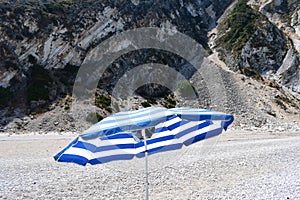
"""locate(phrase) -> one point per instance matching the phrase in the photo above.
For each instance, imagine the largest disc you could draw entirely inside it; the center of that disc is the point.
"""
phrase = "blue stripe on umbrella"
(194, 128)
(160, 139)
(202, 136)
(111, 158)
(73, 158)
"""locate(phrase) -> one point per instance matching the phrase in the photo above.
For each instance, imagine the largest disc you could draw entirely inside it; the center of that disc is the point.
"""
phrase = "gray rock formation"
(43, 44)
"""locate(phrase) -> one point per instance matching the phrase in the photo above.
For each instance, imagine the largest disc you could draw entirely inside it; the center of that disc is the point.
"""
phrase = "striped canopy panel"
(117, 136)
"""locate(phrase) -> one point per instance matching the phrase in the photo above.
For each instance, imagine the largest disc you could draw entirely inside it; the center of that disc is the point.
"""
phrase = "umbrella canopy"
(117, 137)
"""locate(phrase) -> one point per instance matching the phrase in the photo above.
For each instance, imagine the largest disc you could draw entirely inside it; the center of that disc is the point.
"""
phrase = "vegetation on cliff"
(238, 28)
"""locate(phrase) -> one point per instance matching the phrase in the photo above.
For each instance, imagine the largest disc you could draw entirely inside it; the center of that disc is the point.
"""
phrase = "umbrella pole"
(146, 163)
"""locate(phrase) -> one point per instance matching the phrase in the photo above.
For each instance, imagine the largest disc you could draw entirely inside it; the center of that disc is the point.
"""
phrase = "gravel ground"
(235, 165)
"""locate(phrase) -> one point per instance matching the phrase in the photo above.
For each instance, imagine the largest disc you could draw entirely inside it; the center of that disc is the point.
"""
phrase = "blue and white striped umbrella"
(117, 136)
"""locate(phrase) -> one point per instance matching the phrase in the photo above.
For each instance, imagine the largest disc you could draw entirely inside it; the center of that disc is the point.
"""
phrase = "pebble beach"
(234, 165)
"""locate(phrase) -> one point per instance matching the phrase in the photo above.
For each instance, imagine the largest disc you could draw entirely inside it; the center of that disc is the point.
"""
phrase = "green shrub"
(104, 102)
(72, 1)
(169, 102)
(99, 117)
(67, 74)
(40, 74)
(54, 7)
(9, 64)
(38, 85)
(151, 101)
(280, 103)
(5, 96)
(146, 104)
(252, 73)
(93, 117)
(46, 19)
(186, 89)
(37, 92)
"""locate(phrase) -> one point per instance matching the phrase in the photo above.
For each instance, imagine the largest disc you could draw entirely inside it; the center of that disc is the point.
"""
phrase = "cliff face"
(57, 36)
(262, 37)
(54, 37)
(285, 15)
(54, 34)
(44, 43)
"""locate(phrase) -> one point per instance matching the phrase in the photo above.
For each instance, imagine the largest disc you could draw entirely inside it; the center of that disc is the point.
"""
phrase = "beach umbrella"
(139, 133)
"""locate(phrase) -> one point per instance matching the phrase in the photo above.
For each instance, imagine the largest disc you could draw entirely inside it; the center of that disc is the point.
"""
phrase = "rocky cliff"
(262, 38)
(45, 43)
